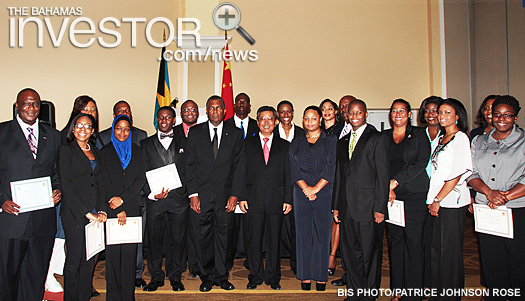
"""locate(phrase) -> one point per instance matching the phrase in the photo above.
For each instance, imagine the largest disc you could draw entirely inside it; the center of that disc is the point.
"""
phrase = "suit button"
(123, 173)
(495, 153)
(92, 185)
(493, 165)
(91, 174)
(493, 179)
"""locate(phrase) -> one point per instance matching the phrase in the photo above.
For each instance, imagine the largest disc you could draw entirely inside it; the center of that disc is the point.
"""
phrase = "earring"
(456, 122)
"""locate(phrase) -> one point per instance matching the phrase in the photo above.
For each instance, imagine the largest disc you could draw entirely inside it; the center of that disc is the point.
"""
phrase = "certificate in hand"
(493, 221)
(32, 194)
(130, 233)
(396, 213)
(166, 177)
(94, 239)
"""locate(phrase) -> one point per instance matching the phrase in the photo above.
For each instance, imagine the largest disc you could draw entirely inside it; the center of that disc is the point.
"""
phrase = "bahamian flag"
(163, 87)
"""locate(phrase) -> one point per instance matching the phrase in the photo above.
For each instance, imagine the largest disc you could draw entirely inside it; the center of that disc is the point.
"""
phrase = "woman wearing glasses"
(448, 197)
(498, 161)
(78, 169)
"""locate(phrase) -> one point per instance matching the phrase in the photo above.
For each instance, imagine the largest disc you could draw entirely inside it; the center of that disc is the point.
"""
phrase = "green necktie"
(352, 145)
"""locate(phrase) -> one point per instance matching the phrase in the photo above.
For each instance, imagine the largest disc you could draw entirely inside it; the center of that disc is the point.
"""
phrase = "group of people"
(323, 187)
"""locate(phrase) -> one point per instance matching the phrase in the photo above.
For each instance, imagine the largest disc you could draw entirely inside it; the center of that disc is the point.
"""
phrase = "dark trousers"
(259, 226)
(191, 253)
(120, 272)
(234, 233)
(503, 258)
(24, 263)
(173, 216)
(288, 241)
(446, 266)
(210, 231)
(140, 250)
(427, 246)
(77, 271)
(406, 252)
(362, 250)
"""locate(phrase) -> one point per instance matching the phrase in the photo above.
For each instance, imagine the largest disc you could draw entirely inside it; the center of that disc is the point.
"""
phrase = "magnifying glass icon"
(227, 16)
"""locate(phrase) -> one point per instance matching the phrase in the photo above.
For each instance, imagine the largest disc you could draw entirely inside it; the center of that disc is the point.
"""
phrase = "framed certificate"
(396, 213)
(130, 233)
(493, 221)
(166, 177)
(32, 194)
(94, 239)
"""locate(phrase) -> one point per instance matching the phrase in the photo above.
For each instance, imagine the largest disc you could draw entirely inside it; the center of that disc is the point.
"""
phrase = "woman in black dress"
(78, 169)
(124, 175)
(312, 169)
(409, 156)
(330, 117)
(484, 117)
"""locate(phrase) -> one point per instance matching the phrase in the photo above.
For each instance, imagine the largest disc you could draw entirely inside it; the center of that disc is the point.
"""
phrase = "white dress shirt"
(24, 127)
(283, 134)
(219, 132)
(166, 142)
(270, 139)
(245, 122)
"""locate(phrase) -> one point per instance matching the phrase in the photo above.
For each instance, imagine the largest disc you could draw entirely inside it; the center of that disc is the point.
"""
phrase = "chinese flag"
(227, 86)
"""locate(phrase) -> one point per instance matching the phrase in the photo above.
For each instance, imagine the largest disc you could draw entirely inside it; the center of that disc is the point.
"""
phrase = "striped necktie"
(31, 139)
(352, 145)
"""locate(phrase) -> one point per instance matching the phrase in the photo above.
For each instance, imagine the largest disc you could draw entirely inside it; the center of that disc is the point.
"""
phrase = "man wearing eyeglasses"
(189, 112)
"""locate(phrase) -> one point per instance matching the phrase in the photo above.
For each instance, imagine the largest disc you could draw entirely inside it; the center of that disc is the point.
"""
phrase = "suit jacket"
(137, 135)
(215, 180)
(80, 188)
(361, 184)
(17, 163)
(268, 186)
(156, 156)
(296, 133)
(179, 131)
(413, 176)
(125, 183)
(253, 128)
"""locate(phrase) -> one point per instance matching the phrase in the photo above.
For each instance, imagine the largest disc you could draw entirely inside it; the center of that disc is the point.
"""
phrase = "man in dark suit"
(360, 196)
(268, 199)
(28, 150)
(166, 208)
(190, 114)
(122, 107)
(287, 130)
(249, 128)
(215, 174)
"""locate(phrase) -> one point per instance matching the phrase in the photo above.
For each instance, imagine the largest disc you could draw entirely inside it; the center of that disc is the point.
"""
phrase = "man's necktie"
(352, 145)
(31, 139)
(345, 131)
(215, 143)
(266, 150)
(242, 129)
(162, 135)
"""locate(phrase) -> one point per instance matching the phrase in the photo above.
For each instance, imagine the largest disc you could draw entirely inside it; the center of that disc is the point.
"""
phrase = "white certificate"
(493, 221)
(166, 177)
(94, 239)
(130, 233)
(33, 194)
(396, 213)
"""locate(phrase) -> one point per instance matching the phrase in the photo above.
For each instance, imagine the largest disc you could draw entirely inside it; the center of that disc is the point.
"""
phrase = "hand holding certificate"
(94, 239)
(163, 178)
(129, 233)
(32, 194)
(494, 221)
(396, 213)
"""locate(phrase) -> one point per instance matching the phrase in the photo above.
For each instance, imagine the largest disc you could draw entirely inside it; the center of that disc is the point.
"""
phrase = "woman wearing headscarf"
(124, 175)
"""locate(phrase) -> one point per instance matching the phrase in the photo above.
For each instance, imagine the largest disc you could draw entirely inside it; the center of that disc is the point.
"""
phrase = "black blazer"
(179, 131)
(215, 180)
(296, 133)
(361, 184)
(17, 163)
(417, 153)
(80, 189)
(156, 156)
(253, 128)
(126, 184)
(137, 135)
(267, 186)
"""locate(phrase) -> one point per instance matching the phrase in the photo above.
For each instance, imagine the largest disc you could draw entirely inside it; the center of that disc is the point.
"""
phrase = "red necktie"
(266, 150)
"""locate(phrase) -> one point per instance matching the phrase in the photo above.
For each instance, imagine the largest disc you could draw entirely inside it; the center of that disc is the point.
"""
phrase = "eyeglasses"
(506, 116)
(189, 110)
(86, 126)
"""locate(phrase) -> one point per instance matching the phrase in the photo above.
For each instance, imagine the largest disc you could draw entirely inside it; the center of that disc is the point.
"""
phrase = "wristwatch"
(436, 200)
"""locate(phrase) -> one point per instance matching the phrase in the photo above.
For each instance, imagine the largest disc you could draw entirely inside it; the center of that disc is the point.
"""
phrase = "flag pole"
(164, 35)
